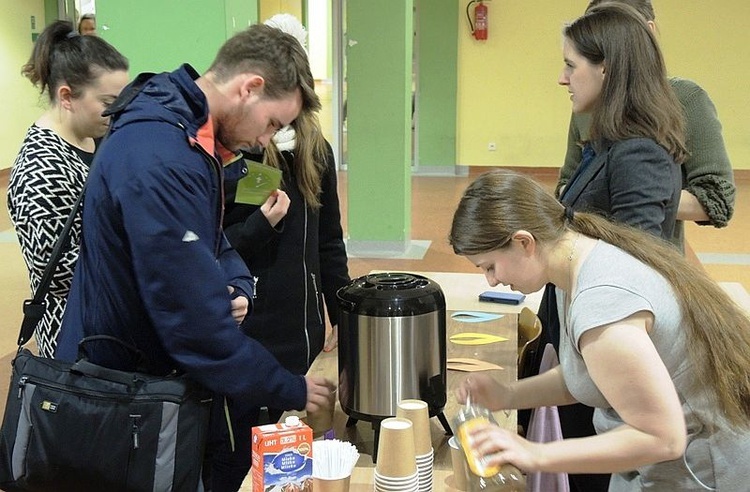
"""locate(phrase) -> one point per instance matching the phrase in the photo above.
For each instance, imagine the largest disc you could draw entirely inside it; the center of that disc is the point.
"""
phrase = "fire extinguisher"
(479, 26)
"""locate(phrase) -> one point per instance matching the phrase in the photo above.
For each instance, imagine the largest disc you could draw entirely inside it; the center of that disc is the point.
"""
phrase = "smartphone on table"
(501, 297)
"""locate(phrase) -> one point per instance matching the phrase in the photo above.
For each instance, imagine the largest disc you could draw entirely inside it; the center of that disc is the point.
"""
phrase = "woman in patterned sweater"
(81, 75)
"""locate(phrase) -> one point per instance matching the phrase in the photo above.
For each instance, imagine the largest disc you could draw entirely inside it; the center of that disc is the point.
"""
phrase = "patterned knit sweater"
(46, 179)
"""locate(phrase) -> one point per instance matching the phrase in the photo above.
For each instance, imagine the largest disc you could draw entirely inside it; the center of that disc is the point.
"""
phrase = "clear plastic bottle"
(484, 477)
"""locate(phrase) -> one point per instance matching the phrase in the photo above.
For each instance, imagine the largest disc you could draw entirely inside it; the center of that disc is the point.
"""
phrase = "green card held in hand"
(260, 182)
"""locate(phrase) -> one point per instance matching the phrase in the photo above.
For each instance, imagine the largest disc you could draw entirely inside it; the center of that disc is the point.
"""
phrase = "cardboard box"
(282, 457)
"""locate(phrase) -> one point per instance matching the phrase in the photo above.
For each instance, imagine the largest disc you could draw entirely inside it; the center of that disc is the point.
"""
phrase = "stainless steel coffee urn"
(392, 346)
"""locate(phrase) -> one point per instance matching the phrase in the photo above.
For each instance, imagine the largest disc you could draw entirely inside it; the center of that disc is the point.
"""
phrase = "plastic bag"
(484, 477)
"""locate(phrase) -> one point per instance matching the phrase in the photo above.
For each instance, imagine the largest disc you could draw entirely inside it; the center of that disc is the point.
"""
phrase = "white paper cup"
(403, 484)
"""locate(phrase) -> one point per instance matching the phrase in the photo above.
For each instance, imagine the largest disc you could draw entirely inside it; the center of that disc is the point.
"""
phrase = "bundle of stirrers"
(333, 458)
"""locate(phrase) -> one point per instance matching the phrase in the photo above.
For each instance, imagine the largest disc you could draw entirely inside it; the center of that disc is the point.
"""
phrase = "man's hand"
(240, 304)
(320, 394)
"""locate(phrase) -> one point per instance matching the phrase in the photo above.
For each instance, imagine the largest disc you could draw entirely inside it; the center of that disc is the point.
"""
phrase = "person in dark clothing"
(155, 268)
(293, 246)
(298, 263)
(298, 260)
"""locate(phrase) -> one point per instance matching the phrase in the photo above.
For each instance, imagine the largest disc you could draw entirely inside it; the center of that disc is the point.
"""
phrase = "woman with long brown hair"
(629, 168)
(708, 193)
(650, 341)
(615, 72)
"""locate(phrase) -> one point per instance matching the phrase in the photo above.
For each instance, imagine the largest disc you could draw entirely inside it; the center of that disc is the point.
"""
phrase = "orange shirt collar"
(206, 138)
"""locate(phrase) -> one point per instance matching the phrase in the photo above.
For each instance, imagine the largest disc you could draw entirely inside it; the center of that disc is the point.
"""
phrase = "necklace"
(573, 249)
(565, 295)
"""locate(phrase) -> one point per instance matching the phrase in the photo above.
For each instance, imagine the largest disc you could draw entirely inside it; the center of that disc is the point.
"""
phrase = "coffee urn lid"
(391, 294)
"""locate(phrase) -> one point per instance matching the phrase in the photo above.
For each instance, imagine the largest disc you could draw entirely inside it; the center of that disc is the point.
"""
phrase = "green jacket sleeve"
(707, 171)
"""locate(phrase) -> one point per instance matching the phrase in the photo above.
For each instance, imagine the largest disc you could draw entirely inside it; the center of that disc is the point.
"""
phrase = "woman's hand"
(275, 207)
(484, 390)
(332, 341)
(498, 447)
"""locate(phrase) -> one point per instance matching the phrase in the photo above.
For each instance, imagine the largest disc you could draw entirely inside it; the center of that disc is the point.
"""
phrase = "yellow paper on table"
(476, 339)
(257, 186)
(469, 365)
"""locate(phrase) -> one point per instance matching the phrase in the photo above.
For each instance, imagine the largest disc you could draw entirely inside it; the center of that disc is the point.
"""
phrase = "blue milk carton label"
(286, 468)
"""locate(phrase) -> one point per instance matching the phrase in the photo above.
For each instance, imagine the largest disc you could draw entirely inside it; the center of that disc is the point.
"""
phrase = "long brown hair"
(643, 7)
(310, 152)
(499, 203)
(637, 99)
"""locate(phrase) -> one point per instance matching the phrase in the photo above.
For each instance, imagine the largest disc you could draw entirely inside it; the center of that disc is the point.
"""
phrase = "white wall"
(319, 37)
(86, 7)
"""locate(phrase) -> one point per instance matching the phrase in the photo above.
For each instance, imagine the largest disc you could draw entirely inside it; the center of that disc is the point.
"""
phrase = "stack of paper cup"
(396, 468)
(418, 413)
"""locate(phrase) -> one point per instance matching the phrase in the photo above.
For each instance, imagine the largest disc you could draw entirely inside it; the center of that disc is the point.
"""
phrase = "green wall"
(436, 98)
(379, 84)
(50, 11)
(160, 35)
(239, 15)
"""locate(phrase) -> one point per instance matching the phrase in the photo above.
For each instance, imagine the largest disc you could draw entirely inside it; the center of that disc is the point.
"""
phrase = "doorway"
(324, 21)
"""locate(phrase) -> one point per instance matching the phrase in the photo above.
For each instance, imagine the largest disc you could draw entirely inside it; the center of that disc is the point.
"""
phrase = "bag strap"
(87, 368)
(140, 357)
(33, 309)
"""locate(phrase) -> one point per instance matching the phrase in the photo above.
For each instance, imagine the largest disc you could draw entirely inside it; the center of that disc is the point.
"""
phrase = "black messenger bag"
(83, 427)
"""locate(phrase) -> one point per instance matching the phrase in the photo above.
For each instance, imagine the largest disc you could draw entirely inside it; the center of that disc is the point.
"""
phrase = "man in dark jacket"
(155, 269)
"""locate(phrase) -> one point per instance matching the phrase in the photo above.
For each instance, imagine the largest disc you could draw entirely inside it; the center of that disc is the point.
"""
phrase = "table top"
(502, 353)
(461, 291)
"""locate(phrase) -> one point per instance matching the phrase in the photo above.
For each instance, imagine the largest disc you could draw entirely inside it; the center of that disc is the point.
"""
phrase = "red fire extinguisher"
(479, 26)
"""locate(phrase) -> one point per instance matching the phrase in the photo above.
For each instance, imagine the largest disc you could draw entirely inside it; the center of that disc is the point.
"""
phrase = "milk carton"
(282, 457)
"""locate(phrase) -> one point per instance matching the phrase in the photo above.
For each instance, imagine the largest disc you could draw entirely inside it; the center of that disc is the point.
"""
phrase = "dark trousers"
(227, 467)
(575, 420)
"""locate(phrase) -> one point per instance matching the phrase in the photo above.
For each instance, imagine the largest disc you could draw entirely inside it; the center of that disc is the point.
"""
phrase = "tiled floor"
(723, 252)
